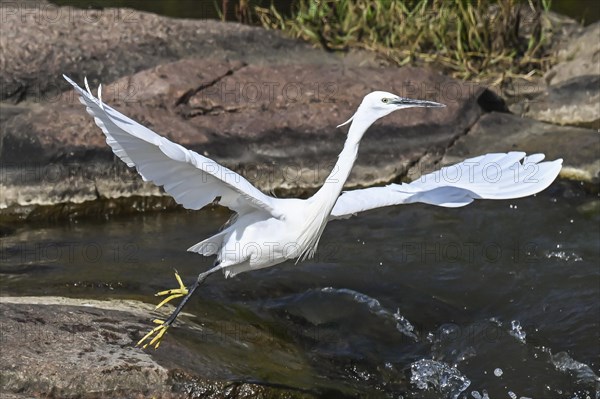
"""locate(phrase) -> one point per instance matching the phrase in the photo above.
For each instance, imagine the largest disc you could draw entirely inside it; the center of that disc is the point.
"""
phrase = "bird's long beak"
(417, 103)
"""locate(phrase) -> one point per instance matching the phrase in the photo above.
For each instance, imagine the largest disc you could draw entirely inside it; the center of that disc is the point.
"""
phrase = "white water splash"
(430, 374)
(564, 256)
(517, 331)
(402, 324)
(482, 395)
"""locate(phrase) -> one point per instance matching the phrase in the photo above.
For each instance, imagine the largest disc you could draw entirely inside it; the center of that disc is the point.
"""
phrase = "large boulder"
(264, 105)
(73, 348)
(274, 124)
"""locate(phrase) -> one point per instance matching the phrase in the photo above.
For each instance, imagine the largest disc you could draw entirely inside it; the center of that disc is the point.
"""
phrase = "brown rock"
(41, 41)
(274, 124)
(70, 348)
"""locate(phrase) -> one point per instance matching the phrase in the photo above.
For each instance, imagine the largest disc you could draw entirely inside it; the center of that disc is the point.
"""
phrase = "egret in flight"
(266, 231)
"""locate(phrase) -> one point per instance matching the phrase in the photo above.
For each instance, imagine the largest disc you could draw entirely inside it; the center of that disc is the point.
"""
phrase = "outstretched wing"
(491, 176)
(190, 178)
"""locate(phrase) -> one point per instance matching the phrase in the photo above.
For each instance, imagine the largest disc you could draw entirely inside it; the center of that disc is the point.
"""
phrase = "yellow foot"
(174, 293)
(159, 331)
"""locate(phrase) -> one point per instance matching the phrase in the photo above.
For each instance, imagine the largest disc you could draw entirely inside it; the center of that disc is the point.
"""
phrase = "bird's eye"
(385, 100)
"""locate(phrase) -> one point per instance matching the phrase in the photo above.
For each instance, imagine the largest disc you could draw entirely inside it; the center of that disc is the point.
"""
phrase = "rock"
(570, 94)
(72, 350)
(202, 94)
(261, 104)
(42, 41)
(500, 132)
(7, 111)
(574, 102)
(274, 124)
(579, 56)
(69, 348)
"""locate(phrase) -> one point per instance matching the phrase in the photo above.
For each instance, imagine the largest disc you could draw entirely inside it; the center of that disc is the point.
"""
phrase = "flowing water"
(498, 299)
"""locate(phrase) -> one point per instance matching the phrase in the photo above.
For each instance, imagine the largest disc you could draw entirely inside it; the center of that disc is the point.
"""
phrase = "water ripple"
(402, 324)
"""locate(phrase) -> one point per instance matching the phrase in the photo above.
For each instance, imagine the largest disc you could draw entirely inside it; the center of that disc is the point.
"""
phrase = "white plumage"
(267, 230)
(491, 176)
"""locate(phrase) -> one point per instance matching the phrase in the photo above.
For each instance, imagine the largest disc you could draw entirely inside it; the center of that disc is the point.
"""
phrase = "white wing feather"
(190, 178)
(491, 176)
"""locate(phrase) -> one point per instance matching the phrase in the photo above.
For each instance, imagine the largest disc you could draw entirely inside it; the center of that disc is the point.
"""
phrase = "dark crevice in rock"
(490, 101)
(185, 98)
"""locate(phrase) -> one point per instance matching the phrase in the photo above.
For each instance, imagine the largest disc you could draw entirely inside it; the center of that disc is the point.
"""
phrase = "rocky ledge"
(261, 104)
(86, 350)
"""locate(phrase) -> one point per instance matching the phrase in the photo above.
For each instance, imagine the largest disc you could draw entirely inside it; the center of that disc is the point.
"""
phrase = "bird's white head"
(378, 104)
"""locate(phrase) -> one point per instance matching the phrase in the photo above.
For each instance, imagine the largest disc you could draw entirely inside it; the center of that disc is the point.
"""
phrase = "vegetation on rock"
(468, 39)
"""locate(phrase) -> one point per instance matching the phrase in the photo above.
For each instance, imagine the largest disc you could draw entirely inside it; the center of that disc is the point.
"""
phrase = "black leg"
(159, 331)
(186, 298)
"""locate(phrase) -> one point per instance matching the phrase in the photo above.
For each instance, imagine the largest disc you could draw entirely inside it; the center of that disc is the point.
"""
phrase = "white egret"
(266, 231)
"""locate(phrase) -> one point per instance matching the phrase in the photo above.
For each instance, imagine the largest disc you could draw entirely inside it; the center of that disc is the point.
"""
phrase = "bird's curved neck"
(324, 200)
(334, 183)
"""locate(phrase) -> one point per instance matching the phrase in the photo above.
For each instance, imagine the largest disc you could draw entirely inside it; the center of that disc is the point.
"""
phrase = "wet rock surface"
(354, 322)
(62, 347)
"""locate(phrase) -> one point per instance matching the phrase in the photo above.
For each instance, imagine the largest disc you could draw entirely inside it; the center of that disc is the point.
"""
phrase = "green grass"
(468, 39)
